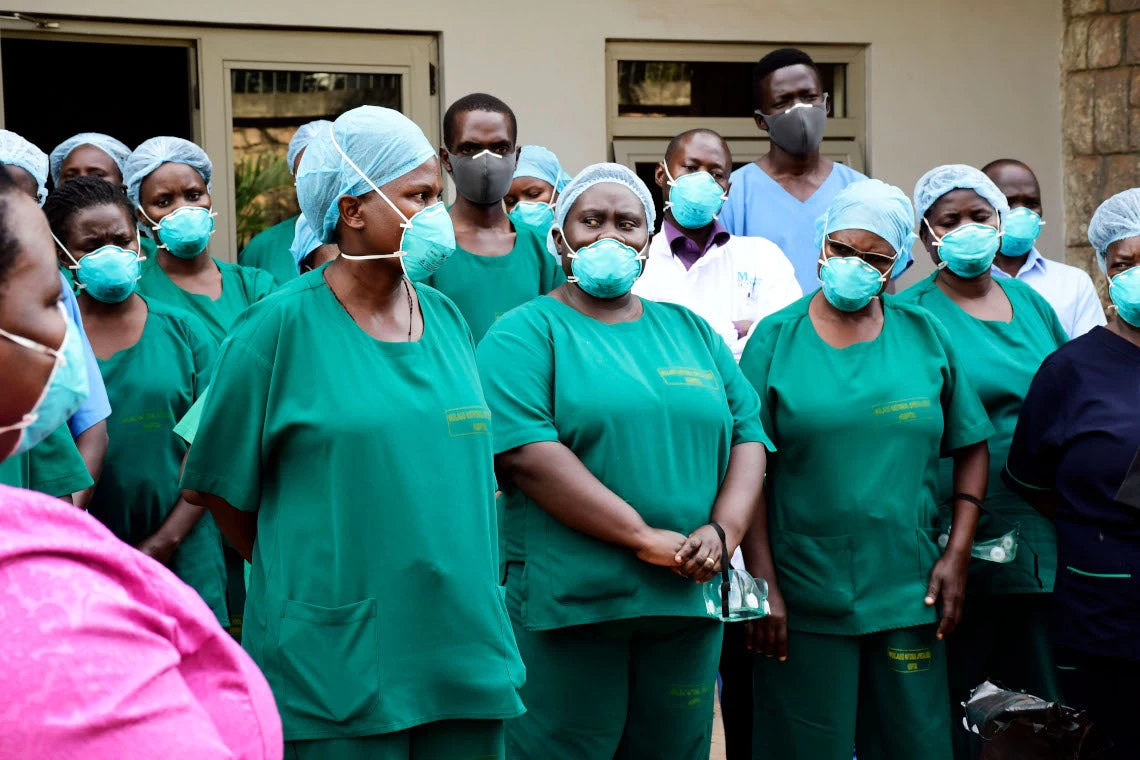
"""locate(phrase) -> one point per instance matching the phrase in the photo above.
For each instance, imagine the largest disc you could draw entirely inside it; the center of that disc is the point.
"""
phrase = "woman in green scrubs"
(1003, 331)
(168, 181)
(155, 362)
(626, 440)
(270, 249)
(863, 395)
(538, 180)
(373, 609)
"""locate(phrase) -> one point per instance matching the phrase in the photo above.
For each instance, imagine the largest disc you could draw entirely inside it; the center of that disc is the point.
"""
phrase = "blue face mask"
(185, 231)
(65, 391)
(108, 273)
(695, 199)
(534, 214)
(606, 268)
(1124, 290)
(1019, 232)
(849, 283)
(969, 250)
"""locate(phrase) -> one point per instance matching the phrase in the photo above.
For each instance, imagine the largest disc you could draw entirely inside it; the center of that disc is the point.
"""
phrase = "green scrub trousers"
(883, 693)
(626, 689)
(444, 740)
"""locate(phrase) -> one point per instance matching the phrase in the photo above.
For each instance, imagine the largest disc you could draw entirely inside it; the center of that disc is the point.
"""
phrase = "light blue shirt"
(1069, 290)
(97, 407)
(759, 206)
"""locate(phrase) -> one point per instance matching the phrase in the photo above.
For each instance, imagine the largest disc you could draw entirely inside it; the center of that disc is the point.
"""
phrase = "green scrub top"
(269, 251)
(53, 467)
(487, 287)
(1001, 359)
(853, 489)
(374, 604)
(151, 385)
(148, 247)
(241, 286)
(187, 427)
(652, 408)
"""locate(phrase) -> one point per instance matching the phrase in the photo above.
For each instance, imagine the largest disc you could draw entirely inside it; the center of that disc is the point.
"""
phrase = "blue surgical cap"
(163, 150)
(17, 151)
(540, 163)
(873, 206)
(941, 180)
(304, 240)
(1117, 218)
(301, 139)
(382, 143)
(109, 145)
(595, 175)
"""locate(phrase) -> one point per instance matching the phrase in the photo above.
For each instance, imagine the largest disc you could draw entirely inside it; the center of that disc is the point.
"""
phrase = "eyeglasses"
(879, 261)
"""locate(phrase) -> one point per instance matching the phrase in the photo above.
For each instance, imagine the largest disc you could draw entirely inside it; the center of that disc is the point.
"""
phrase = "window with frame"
(655, 90)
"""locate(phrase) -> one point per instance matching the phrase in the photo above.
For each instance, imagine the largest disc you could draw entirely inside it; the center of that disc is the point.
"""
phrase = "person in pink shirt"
(106, 653)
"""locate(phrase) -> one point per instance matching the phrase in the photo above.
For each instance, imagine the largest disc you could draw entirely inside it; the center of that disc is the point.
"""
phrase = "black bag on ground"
(1019, 726)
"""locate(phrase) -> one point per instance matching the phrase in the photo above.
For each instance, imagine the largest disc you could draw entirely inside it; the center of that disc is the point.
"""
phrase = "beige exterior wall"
(948, 80)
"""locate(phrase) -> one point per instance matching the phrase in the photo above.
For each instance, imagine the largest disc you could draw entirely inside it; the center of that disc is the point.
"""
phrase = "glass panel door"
(268, 107)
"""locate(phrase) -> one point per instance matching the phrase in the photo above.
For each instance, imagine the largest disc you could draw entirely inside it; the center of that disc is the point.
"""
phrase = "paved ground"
(718, 736)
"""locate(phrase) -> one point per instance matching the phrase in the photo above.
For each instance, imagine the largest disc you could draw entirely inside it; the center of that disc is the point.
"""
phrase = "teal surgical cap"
(304, 240)
(873, 206)
(163, 150)
(302, 137)
(109, 145)
(382, 143)
(1117, 218)
(17, 151)
(941, 180)
(540, 163)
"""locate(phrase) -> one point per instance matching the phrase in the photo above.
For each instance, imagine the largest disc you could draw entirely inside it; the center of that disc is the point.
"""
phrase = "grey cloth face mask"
(484, 178)
(799, 130)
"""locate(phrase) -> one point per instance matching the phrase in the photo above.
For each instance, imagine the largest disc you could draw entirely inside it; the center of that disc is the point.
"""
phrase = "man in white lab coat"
(731, 281)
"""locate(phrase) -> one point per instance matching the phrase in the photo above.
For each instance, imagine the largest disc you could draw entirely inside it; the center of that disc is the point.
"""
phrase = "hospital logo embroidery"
(686, 376)
(909, 660)
(746, 281)
(902, 411)
(468, 420)
(689, 697)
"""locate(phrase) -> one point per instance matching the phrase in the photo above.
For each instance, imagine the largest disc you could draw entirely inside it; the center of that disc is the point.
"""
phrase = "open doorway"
(54, 88)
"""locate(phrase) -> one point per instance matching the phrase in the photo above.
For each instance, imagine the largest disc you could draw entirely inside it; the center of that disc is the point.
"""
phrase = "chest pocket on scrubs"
(330, 660)
(815, 574)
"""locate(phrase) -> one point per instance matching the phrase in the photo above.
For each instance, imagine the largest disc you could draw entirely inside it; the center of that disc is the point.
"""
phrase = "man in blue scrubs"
(780, 196)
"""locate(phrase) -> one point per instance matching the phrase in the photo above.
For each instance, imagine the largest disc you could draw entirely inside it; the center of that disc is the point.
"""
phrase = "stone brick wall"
(1100, 118)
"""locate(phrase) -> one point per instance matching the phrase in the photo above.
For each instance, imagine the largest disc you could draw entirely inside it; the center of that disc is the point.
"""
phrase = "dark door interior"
(56, 88)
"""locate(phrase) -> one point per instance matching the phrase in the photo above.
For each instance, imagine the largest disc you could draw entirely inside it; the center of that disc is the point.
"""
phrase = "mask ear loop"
(406, 224)
(63, 248)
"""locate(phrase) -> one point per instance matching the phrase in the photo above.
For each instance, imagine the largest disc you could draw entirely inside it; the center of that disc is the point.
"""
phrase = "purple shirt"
(685, 248)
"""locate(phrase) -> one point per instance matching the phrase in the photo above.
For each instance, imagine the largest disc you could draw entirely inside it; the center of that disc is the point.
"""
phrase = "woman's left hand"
(948, 580)
(701, 555)
(158, 548)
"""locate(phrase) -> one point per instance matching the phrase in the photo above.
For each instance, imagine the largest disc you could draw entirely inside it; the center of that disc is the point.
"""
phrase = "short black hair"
(776, 60)
(9, 241)
(675, 143)
(998, 163)
(476, 101)
(80, 194)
